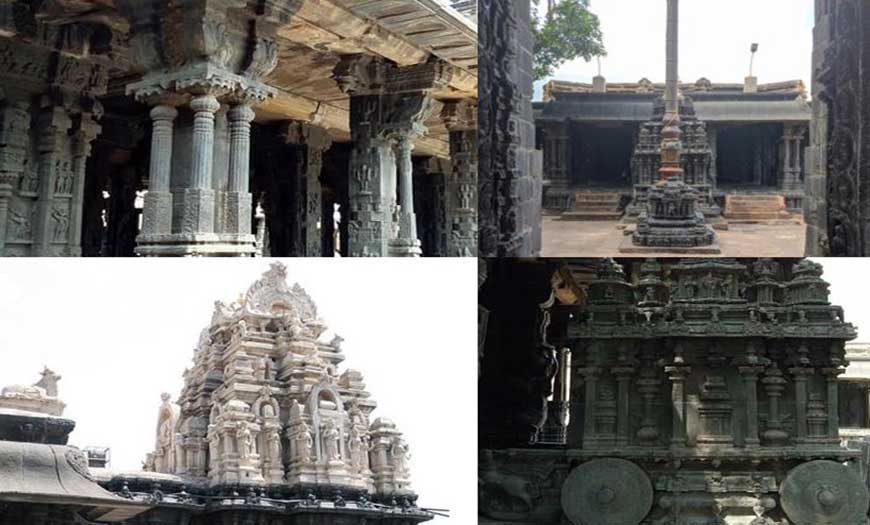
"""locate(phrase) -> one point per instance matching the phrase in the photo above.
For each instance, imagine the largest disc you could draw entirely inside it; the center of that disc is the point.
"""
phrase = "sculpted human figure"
(356, 448)
(304, 443)
(399, 453)
(330, 441)
(245, 440)
(213, 448)
(274, 446)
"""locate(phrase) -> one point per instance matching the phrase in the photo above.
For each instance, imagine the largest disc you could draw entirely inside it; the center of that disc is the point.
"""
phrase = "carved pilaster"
(590, 380)
(801, 376)
(461, 188)
(833, 401)
(623, 376)
(750, 385)
(406, 243)
(81, 148)
(313, 141)
(197, 213)
(385, 106)
(157, 212)
(238, 212)
(52, 219)
(14, 138)
(677, 374)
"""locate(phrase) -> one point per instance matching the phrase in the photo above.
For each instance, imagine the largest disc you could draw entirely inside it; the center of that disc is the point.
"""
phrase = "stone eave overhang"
(709, 107)
(197, 496)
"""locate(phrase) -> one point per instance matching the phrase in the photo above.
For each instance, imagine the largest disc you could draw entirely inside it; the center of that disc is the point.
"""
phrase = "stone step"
(755, 198)
(586, 197)
(602, 206)
(583, 215)
(758, 216)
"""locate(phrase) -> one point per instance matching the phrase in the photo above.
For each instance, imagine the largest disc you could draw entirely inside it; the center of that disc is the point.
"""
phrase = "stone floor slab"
(604, 238)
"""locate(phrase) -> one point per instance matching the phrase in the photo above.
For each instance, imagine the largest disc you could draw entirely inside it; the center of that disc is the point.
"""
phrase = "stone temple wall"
(839, 154)
(510, 174)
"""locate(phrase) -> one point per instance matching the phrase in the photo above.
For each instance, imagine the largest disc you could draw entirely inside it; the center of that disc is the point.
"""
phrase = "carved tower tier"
(264, 405)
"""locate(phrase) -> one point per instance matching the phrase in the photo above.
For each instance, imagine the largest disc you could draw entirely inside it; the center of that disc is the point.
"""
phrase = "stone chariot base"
(628, 246)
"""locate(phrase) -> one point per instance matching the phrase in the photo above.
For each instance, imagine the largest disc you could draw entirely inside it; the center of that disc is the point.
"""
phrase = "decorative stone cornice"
(176, 88)
(366, 75)
(238, 37)
(460, 115)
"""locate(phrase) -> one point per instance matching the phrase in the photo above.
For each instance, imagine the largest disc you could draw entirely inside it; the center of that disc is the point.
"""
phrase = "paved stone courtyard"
(602, 239)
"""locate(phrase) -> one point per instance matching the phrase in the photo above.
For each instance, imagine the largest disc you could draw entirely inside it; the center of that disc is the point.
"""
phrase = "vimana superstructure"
(666, 391)
(266, 428)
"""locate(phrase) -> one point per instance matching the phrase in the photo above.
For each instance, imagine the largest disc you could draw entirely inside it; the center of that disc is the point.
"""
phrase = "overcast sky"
(849, 290)
(714, 41)
(120, 332)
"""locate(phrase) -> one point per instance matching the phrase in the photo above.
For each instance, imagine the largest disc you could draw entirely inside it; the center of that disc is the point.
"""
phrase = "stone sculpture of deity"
(355, 445)
(330, 441)
(304, 443)
(274, 441)
(399, 453)
(245, 440)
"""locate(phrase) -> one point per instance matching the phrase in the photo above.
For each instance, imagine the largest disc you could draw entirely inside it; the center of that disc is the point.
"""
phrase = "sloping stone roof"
(57, 475)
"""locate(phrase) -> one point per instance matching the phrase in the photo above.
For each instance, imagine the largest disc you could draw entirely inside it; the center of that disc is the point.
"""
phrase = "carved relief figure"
(355, 445)
(60, 222)
(330, 441)
(19, 226)
(399, 453)
(274, 442)
(245, 440)
(304, 443)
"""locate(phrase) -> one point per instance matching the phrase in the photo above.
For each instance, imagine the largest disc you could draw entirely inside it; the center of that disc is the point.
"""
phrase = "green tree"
(569, 30)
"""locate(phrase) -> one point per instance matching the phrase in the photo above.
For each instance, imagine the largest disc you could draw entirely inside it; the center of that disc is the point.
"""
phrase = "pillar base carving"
(405, 248)
(238, 214)
(195, 207)
(157, 213)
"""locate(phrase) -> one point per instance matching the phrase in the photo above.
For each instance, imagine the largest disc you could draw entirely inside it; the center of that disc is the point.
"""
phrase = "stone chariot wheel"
(824, 493)
(607, 492)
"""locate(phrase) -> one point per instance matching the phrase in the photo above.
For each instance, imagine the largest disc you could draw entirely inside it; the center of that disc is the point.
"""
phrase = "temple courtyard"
(565, 238)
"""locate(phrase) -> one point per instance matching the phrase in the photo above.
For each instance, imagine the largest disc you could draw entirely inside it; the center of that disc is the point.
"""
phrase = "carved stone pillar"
(750, 385)
(14, 139)
(406, 243)
(212, 63)
(313, 142)
(557, 155)
(238, 213)
(384, 106)
(81, 148)
(461, 185)
(52, 218)
(833, 402)
(157, 211)
(791, 174)
(197, 210)
(801, 376)
(623, 376)
(590, 380)
(677, 374)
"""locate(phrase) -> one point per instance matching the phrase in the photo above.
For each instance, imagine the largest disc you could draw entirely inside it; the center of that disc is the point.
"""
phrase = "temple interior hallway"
(603, 238)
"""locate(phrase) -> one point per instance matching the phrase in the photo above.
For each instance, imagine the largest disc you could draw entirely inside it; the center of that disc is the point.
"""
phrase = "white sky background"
(121, 332)
(714, 41)
(849, 286)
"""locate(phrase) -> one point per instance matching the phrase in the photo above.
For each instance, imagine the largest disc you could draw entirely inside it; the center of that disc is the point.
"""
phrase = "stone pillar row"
(792, 167)
(196, 216)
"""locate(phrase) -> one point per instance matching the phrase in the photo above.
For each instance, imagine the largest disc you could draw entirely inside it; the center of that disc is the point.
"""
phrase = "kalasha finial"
(165, 397)
(277, 270)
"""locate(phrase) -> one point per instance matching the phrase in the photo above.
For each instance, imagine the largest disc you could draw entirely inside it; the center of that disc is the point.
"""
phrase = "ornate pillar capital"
(460, 115)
